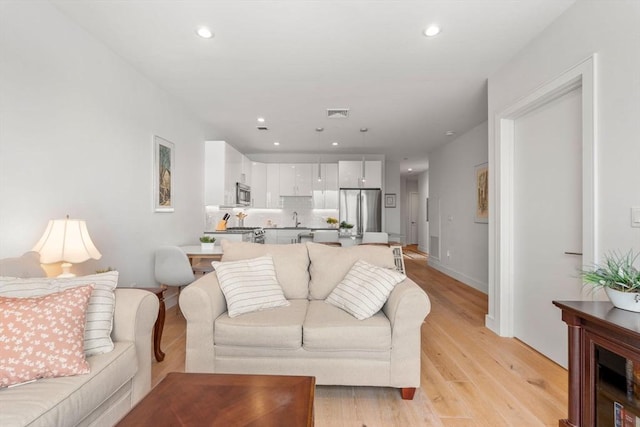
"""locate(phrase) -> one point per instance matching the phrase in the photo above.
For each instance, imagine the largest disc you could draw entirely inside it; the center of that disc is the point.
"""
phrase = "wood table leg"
(159, 326)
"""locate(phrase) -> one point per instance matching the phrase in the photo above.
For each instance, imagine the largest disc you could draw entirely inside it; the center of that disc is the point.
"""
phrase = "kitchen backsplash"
(307, 217)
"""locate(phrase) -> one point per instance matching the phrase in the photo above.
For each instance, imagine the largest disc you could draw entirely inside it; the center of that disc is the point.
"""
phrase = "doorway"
(503, 223)
(414, 210)
(547, 228)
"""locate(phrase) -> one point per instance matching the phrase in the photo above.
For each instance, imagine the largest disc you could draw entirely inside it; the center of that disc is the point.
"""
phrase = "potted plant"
(332, 221)
(207, 242)
(619, 278)
(344, 225)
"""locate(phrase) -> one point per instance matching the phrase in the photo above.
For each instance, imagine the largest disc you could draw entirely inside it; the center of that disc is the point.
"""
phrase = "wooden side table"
(159, 325)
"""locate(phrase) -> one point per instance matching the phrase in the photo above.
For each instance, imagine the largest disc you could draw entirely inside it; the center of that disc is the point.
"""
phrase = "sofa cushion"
(330, 264)
(97, 334)
(365, 289)
(291, 262)
(328, 328)
(277, 328)
(249, 285)
(68, 400)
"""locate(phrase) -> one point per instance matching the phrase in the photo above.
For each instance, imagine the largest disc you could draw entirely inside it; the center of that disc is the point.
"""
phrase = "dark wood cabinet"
(604, 364)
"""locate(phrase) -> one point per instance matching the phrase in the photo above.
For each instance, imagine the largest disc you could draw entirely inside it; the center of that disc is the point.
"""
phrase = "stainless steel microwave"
(243, 194)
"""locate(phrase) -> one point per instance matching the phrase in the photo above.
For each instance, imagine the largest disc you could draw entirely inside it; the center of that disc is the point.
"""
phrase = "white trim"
(461, 277)
(501, 161)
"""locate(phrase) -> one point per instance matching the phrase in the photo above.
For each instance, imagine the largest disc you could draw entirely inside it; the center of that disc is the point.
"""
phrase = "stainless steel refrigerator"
(362, 208)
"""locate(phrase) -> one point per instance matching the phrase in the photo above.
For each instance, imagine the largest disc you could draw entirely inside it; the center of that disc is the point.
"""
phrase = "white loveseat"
(117, 381)
(310, 336)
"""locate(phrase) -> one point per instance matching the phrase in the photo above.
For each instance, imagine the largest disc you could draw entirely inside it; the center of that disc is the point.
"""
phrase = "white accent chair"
(375, 238)
(327, 237)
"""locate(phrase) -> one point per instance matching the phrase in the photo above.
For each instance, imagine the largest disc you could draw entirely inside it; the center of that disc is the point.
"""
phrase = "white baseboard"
(461, 277)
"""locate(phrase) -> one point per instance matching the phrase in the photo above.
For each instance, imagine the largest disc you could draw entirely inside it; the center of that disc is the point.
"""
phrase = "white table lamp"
(66, 240)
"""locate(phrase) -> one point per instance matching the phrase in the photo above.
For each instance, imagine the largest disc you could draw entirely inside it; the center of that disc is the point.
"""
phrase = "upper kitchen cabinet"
(224, 166)
(352, 175)
(258, 185)
(325, 190)
(295, 179)
(273, 186)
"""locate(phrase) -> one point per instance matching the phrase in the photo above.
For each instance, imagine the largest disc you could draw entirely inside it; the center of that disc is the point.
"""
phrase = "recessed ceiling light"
(276, 143)
(449, 133)
(261, 119)
(204, 32)
(364, 129)
(319, 129)
(334, 143)
(410, 170)
(432, 30)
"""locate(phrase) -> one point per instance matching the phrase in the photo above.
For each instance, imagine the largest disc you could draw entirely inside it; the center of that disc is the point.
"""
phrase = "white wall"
(392, 216)
(611, 30)
(423, 225)
(452, 189)
(76, 129)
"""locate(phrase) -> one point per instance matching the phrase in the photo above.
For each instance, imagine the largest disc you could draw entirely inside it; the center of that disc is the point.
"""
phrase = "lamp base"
(66, 270)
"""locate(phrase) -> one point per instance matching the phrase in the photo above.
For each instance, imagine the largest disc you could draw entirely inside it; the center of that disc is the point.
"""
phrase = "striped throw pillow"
(99, 323)
(249, 285)
(364, 289)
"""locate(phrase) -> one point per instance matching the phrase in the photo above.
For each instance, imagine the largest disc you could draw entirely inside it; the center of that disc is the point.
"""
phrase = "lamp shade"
(66, 240)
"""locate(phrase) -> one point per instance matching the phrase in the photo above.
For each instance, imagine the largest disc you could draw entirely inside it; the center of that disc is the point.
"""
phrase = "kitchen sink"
(294, 228)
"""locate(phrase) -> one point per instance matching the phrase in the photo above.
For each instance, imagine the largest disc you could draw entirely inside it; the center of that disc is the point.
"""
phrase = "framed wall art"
(482, 193)
(163, 169)
(390, 200)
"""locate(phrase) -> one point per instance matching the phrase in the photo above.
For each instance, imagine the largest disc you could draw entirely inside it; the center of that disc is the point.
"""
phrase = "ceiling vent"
(262, 128)
(337, 113)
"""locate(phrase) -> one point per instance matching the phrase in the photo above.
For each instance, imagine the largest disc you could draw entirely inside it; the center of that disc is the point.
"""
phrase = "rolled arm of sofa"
(201, 303)
(135, 314)
(406, 309)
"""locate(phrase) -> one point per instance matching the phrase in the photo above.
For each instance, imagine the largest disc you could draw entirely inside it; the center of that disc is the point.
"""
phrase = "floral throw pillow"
(42, 337)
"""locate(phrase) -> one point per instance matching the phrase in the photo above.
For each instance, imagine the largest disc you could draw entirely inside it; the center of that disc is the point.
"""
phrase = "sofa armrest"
(135, 314)
(201, 303)
(406, 309)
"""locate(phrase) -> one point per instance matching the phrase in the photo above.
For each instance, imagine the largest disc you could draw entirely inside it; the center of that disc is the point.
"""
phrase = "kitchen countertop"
(228, 231)
(299, 228)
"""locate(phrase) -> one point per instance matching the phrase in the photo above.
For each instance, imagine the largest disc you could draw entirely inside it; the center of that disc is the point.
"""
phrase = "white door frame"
(500, 318)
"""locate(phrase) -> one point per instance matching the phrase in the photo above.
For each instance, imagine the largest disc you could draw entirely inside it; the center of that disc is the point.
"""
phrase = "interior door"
(413, 218)
(547, 221)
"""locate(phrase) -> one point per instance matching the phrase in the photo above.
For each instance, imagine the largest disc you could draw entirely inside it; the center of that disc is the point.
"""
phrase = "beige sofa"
(117, 381)
(308, 337)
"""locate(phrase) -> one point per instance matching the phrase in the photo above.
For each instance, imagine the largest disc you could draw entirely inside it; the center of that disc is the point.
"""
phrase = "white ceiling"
(290, 60)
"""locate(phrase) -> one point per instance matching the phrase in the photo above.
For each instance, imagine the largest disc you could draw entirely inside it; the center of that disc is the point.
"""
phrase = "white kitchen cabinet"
(289, 236)
(270, 236)
(222, 169)
(246, 171)
(350, 174)
(273, 186)
(325, 191)
(258, 185)
(373, 174)
(295, 179)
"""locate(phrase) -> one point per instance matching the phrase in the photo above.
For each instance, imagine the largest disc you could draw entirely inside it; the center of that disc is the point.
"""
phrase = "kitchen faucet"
(295, 219)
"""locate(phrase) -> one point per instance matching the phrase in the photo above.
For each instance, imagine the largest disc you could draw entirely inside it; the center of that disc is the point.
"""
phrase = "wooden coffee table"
(185, 399)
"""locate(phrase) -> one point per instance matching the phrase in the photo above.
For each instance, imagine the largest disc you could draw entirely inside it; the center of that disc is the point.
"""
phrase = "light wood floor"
(470, 376)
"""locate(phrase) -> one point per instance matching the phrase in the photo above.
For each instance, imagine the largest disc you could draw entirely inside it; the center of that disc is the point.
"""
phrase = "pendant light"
(363, 180)
(318, 130)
